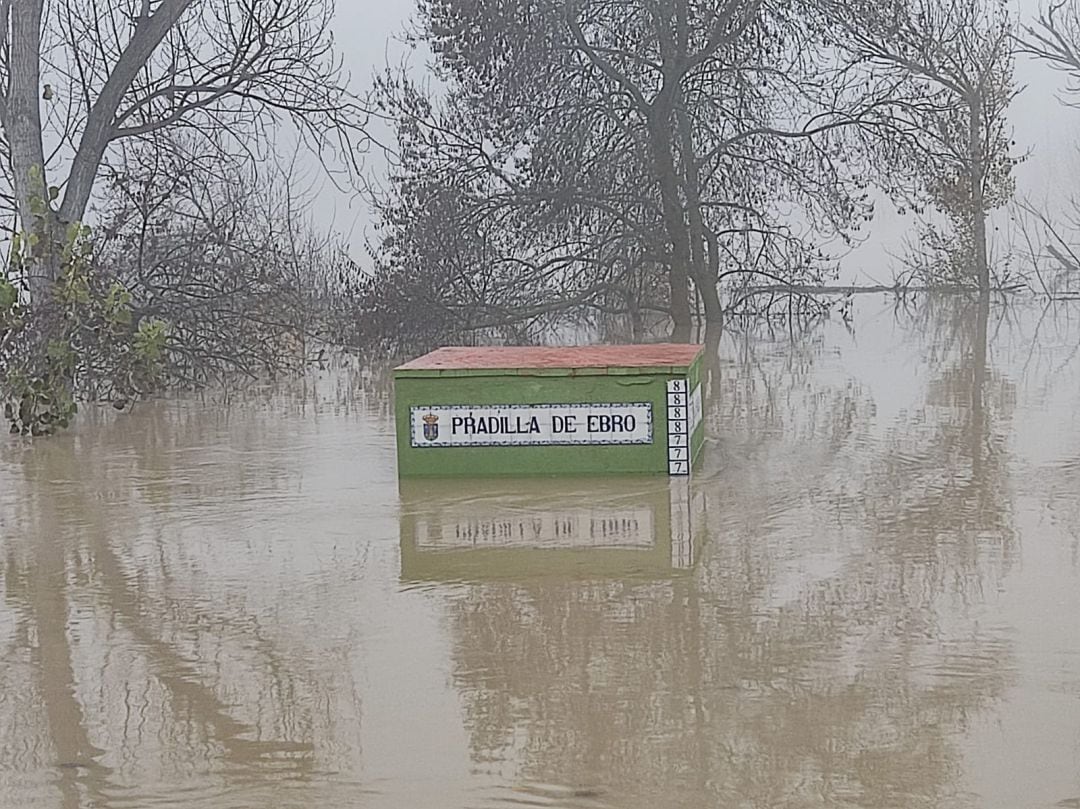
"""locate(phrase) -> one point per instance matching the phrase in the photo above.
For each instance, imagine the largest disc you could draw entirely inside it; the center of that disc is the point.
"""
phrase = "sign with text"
(525, 425)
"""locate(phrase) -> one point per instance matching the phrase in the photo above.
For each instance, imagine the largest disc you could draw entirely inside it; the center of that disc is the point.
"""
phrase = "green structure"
(549, 411)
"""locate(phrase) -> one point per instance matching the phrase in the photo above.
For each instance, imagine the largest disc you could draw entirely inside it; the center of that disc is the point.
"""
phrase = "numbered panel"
(678, 429)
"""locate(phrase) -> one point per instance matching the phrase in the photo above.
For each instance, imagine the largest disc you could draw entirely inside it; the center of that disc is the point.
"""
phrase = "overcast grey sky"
(368, 36)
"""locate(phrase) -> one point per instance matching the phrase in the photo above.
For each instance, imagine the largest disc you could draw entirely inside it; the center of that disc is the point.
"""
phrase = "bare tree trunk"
(978, 384)
(23, 111)
(675, 224)
(714, 311)
(982, 262)
(662, 127)
(22, 124)
(710, 376)
(99, 129)
(701, 268)
(22, 117)
(978, 196)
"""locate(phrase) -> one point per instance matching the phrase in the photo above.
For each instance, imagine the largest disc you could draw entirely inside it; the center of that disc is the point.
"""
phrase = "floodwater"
(869, 596)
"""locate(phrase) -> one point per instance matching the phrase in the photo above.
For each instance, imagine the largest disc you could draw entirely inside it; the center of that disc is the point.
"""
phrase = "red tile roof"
(509, 357)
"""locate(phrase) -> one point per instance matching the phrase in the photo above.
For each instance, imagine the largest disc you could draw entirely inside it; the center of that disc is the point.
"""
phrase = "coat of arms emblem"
(431, 427)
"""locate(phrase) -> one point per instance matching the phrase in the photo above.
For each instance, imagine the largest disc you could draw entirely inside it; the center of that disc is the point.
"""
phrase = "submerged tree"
(217, 250)
(956, 59)
(1051, 232)
(197, 271)
(629, 156)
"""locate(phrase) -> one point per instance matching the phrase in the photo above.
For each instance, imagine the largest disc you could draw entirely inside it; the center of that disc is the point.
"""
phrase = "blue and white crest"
(431, 427)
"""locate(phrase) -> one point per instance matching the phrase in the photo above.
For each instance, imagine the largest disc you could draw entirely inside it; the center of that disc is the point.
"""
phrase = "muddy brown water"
(869, 597)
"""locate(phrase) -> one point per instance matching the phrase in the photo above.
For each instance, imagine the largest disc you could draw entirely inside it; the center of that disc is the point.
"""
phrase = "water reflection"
(147, 664)
(828, 648)
(545, 527)
(858, 603)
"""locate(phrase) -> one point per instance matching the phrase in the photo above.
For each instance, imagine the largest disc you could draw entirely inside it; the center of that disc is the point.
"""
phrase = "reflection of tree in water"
(764, 384)
(144, 661)
(828, 647)
(1060, 485)
(662, 695)
(1046, 353)
(943, 479)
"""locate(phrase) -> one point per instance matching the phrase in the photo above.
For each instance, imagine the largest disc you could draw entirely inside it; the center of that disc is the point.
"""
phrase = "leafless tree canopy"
(128, 69)
(629, 156)
(951, 116)
(1054, 36)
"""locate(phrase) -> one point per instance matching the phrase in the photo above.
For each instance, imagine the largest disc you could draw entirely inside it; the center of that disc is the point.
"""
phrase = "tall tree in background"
(633, 146)
(1052, 232)
(956, 59)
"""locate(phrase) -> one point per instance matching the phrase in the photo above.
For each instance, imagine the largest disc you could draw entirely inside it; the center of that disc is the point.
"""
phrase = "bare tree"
(1050, 233)
(200, 271)
(195, 269)
(128, 69)
(1055, 38)
(211, 248)
(616, 148)
(956, 59)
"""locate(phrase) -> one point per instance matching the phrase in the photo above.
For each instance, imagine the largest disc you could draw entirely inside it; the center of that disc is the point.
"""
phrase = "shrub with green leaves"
(84, 337)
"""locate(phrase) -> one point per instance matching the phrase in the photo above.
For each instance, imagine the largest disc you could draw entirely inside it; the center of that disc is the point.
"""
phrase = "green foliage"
(11, 314)
(150, 340)
(117, 306)
(83, 331)
(41, 404)
(9, 296)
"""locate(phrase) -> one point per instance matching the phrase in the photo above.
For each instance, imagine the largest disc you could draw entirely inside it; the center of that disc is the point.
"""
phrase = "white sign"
(524, 425)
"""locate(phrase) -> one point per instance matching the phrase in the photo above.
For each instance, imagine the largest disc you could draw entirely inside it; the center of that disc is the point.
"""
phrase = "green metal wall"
(542, 387)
